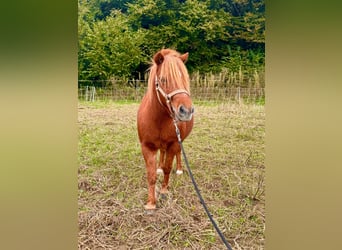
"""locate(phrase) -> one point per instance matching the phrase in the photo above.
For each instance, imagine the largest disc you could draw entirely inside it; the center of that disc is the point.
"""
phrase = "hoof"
(149, 209)
(160, 171)
(163, 196)
(179, 172)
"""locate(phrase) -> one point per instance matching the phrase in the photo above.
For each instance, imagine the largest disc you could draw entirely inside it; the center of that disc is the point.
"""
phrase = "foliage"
(109, 48)
(118, 38)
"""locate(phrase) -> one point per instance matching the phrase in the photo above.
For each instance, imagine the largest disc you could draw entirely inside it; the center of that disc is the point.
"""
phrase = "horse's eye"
(162, 80)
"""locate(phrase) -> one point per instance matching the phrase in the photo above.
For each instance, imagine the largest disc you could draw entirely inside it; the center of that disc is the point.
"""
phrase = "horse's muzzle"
(184, 114)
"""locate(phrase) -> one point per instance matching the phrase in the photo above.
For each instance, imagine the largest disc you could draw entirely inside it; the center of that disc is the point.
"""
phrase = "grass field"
(226, 151)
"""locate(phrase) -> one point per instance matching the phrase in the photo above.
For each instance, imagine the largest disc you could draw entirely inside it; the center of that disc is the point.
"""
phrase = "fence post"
(86, 94)
(135, 89)
(93, 92)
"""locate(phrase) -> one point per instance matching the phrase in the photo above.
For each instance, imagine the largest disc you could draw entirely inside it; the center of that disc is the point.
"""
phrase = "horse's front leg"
(179, 165)
(150, 160)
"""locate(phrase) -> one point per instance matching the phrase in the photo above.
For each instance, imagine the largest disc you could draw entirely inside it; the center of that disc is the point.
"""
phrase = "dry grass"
(226, 154)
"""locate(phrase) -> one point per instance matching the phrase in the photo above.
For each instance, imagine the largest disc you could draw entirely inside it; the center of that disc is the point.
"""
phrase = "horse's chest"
(167, 135)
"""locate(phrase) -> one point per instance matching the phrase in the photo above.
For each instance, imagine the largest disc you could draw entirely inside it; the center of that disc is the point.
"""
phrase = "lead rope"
(198, 191)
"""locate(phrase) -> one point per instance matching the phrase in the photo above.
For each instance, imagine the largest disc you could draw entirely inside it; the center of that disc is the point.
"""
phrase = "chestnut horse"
(166, 101)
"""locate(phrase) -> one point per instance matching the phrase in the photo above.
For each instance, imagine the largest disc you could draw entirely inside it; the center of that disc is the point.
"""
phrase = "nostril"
(192, 110)
(182, 109)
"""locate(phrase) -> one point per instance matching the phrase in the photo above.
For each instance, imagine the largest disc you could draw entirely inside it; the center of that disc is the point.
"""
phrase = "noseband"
(168, 98)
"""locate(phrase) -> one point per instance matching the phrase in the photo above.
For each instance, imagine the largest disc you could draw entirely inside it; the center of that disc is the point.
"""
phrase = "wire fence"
(135, 90)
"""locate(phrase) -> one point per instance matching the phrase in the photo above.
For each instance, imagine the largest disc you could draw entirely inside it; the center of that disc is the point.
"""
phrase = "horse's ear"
(184, 57)
(158, 58)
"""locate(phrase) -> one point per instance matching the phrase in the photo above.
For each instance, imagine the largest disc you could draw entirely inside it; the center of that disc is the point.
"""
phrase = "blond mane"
(172, 73)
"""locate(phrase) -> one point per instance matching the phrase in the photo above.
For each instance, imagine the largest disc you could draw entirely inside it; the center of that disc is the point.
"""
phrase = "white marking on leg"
(160, 171)
(179, 172)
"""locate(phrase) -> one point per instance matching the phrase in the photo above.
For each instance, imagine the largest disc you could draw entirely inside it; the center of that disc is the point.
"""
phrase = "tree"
(109, 48)
(118, 38)
(186, 26)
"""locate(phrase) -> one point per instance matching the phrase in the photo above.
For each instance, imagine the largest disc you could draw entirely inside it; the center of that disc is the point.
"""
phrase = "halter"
(168, 97)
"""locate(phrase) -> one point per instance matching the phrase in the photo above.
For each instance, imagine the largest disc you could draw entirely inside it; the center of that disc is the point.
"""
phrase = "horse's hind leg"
(161, 161)
(179, 165)
(167, 169)
(151, 165)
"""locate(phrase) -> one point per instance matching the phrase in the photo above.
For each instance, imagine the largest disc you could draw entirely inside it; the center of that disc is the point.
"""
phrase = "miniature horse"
(167, 100)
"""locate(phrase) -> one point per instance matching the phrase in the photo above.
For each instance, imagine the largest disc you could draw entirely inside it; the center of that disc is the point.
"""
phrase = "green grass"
(226, 152)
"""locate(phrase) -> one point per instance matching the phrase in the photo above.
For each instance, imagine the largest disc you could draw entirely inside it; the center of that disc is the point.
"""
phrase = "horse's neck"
(157, 110)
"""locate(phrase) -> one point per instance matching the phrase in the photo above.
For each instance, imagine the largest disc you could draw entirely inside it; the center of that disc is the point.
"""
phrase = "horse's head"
(171, 82)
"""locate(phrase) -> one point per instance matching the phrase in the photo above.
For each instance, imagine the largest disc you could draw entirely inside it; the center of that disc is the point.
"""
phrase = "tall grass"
(251, 78)
(228, 78)
(225, 86)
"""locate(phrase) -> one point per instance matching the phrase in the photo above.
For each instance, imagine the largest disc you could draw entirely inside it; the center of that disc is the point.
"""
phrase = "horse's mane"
(172, 73)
